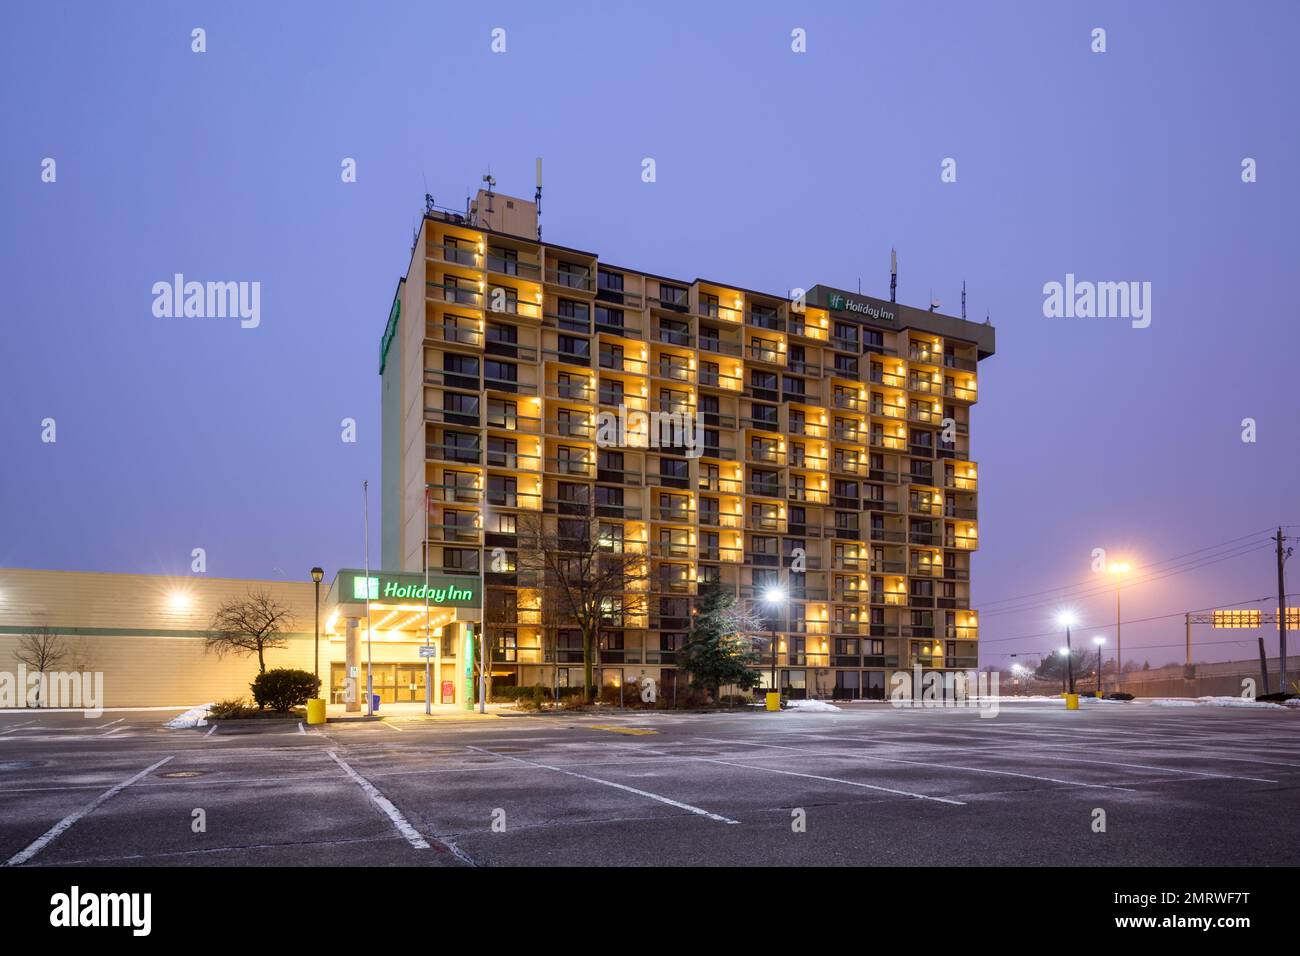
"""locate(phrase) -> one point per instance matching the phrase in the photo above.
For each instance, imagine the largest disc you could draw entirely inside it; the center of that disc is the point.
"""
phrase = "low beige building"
(147, 634)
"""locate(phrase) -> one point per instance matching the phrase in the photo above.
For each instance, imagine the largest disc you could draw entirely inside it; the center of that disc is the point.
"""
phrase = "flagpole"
(370, 657)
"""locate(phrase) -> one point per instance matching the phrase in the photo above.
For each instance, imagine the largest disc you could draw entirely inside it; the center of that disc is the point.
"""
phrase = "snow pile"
(194, 717)
(1216, 702)
(813, 705)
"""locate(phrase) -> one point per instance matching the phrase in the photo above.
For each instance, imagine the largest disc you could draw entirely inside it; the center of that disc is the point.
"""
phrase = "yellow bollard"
(1071, 701)
(316, 710)
(773, 700)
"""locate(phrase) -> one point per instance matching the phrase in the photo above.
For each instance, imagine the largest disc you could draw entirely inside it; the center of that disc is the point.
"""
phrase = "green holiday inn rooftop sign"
(442, 590)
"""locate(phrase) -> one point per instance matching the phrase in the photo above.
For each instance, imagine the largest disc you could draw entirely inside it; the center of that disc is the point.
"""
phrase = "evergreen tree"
(719, 650)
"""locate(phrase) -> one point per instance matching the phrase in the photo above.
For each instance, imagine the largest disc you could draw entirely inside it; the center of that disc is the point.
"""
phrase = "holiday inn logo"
(394, 589)
(842, 303)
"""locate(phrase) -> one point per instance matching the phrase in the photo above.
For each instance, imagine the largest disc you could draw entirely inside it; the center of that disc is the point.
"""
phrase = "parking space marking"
(55, 831)
(384, 804)
(609, 783)
(814, 776)
(941, 766)
(16, 727)
(1018, 749)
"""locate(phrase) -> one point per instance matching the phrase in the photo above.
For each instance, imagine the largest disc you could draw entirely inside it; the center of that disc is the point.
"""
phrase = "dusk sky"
(774, 170)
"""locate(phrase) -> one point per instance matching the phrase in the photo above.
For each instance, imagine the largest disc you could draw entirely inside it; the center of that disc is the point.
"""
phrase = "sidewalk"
(415, 712)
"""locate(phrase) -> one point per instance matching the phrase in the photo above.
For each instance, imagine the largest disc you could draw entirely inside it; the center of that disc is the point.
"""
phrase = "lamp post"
(775, 598)
(1099, 641)
(1118, 569)
(1066, 619)
(317, 575)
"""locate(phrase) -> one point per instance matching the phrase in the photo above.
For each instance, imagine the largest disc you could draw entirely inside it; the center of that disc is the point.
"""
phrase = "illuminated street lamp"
(1118, 569)
(316, 575)
(774, 597)
(1099, 641)
(1066, 619)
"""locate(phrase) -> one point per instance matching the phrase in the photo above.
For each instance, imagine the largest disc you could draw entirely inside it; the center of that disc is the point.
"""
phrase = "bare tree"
(593, 578)
(249, 625)
(41, 650)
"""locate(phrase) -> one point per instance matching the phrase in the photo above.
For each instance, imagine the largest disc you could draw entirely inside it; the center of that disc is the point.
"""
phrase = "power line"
(1140, 620)
(1072, 587)
(1107, 589)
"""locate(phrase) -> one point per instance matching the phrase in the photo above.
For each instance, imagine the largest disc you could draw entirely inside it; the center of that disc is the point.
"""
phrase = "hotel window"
(674, 332)
(572, 461)
(872, 339)
(459, 408)
(708, 305)
(609, 497)
(460, 446)
(571, 492)
(459, 559)
(792, 387)
(463, 366)
(672, 295)
(846, 335)
(612, 281)
(798, 517)
(573, 315)
(709, 574)
(709, 511)
(609, 460)
(572, 275)
(710, 339)
(709, 373)
(764, 578)
(502, 491)
(763, 316)
(503, 299)
(764, 482)
(504, 260)
(766, 416)
(846, 365)
(764, 545)
(574, 347)
(846, 521)
(674, 468)
(709, 404)
(611, 393)
(674, 507)
(494, 371)
(508, 646)
(501, 332)
(506, 523)
(609, 318)
(846, 646)
(610, 538)
(501, 414)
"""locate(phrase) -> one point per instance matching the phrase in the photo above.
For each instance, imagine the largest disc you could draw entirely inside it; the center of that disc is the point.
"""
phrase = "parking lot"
(868, 785)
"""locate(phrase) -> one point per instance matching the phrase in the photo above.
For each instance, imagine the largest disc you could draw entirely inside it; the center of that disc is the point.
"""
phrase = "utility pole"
(1282, 555)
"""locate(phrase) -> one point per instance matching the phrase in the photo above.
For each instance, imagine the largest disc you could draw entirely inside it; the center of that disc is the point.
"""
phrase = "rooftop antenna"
(538, 199)
(428, 204)
(963, 299)
(934, 303)
(859, 285)
(893, 274)
(487, 178)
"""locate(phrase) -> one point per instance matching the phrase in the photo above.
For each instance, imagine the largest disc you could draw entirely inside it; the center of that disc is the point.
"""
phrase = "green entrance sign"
(442, 590)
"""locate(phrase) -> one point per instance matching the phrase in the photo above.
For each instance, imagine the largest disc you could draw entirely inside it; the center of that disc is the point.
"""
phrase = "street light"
(775, 598)
(317, 574)
(1067, 619)
(1099, 641)
(1119, 569)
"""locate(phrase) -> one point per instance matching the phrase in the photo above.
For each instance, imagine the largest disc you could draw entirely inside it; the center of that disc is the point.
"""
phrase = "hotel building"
(835, 438)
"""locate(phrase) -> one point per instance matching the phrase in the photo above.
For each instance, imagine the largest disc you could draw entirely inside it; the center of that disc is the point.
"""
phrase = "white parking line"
(941, 766)
(55, 831)
(814, 776)
(16, 727)
(385, 805)
(610, 783)
(1009, 749)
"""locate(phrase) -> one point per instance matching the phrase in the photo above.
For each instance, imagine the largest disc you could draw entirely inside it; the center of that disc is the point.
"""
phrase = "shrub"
(230, 709)
(284, 688)
(1277, 697)
(1119, 695)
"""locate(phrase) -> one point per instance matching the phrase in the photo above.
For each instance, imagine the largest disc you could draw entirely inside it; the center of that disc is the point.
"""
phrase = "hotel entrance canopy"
(399, 599)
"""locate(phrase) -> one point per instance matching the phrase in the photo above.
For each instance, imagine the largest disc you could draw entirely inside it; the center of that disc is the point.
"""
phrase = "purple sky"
(774, 170)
